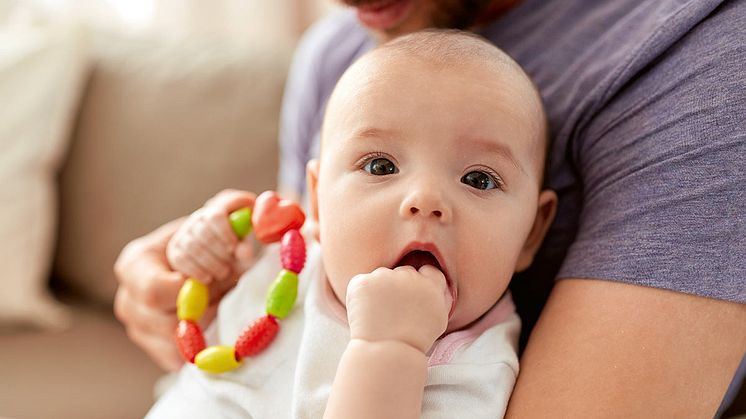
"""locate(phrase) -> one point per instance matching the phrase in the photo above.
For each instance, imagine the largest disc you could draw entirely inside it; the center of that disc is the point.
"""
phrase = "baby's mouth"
(420, 258)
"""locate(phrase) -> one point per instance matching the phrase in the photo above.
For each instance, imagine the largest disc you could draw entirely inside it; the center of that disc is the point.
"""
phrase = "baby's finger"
(229, 200)
(213, 243)
(203, 257)
(437, 276)
(217, 222)
(244, 256)
(189, 267)
(222, 226)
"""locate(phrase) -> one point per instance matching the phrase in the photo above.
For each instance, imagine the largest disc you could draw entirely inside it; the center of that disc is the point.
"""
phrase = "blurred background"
(115, 117)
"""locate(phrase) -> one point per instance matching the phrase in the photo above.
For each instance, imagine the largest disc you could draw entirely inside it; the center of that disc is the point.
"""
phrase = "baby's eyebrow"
(372, 132)
(488, 146)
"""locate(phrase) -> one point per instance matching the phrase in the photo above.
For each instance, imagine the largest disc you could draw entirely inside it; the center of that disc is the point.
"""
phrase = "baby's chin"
(459, 320)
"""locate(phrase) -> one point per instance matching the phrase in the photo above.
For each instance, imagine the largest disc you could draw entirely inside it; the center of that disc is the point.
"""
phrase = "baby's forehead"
(447, 53)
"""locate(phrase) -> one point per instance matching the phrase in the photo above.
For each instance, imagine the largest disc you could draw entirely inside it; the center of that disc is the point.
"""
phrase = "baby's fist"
(403, 304)
(205, 246)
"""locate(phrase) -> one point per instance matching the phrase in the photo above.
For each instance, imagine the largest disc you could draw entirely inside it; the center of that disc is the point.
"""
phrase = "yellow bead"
(192, 300)
(217, 359)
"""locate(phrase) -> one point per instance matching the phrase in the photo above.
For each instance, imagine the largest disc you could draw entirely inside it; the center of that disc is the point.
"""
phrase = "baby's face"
(424, 166)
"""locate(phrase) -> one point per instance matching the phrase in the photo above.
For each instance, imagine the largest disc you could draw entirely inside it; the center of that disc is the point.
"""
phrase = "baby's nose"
(426, 202)
(436, 213)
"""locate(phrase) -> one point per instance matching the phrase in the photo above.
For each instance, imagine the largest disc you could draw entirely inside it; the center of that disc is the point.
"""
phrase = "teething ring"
(273, 219)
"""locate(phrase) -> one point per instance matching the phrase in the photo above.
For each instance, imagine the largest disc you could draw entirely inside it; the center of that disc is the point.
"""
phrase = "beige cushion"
(91, 370)
(162, 128)
(41, 70)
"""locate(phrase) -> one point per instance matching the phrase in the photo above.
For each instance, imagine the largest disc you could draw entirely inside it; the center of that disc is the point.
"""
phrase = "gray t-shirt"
(647, 105)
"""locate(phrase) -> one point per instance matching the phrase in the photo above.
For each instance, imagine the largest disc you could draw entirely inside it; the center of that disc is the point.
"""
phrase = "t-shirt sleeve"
(325, 51)
(664, 174)
(299, 106)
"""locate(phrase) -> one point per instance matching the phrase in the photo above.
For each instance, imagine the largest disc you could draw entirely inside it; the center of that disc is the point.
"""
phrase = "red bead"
(256, 336)
(293, 251)
(189, 339)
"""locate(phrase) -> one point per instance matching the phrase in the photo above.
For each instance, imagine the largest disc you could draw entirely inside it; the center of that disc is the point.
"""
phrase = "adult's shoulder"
(330, 45)
(643, 98)
(664, 133)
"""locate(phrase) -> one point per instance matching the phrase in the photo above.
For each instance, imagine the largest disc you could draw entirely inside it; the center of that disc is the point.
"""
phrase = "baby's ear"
(546, 208)
(312, 182)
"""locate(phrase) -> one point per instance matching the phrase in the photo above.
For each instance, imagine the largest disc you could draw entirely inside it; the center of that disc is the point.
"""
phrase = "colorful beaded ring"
(273, 219)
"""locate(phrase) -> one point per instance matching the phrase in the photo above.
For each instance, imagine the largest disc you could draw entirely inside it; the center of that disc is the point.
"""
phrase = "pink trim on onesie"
(449, 344)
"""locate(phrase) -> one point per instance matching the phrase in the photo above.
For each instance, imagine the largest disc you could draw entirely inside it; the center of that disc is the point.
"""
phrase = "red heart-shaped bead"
(273, 216)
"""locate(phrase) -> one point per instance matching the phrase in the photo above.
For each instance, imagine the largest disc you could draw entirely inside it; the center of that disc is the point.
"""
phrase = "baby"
(426, 199)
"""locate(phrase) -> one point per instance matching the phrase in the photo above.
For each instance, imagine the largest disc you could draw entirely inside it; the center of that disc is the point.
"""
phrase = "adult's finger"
(143, 269)
(135, 315)
(160, 349)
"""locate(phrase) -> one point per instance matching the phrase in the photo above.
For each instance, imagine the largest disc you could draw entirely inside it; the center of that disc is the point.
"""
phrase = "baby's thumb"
(244, 255)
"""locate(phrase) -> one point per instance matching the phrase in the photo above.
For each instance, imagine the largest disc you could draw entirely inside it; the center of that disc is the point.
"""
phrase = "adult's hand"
(145, 301)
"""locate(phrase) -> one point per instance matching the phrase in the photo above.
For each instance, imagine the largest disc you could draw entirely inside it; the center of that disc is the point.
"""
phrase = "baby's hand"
(205, 246)
(403, 304)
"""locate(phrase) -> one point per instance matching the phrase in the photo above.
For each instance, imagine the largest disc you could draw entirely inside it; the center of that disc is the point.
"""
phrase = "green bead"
(282, 294)
(241, 222)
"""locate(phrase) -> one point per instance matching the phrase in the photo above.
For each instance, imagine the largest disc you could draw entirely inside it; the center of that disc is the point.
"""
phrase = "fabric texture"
(163, 127)
(645, 101)
(293, 377)
(41, 73)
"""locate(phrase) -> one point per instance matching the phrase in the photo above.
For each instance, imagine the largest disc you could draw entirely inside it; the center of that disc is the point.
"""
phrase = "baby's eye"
(479, 180)
(380, 167)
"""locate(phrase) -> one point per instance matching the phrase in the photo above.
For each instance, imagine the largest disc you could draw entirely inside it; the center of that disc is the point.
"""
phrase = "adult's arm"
(660, 330)
(604, 349)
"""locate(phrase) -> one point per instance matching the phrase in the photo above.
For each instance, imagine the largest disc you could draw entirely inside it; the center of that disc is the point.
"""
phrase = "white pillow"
(41, 75)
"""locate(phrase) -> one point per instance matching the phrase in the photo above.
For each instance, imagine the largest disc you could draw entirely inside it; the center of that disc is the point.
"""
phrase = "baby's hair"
(447, 48)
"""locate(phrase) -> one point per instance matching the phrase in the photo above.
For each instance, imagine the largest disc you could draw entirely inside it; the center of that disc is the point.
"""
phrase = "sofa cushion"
(41, 72)
(91, 370)
(162, 128)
